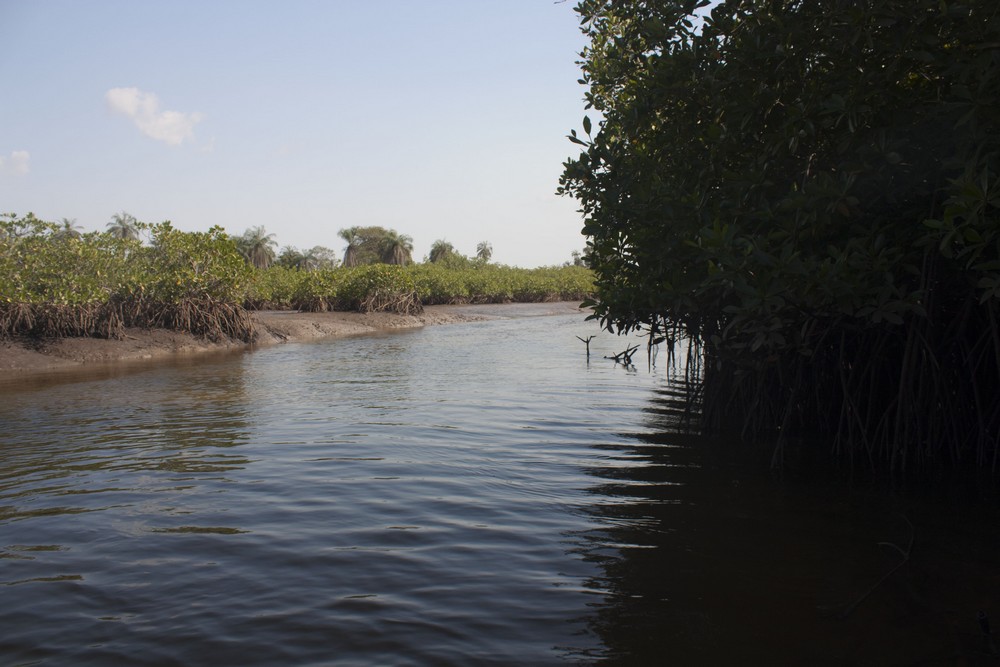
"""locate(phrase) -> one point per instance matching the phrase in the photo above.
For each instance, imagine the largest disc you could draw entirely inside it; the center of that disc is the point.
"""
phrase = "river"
(468, 494)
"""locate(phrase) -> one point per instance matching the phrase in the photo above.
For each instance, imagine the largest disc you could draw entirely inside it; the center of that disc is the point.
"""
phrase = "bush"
(96, 285)
(52, 284)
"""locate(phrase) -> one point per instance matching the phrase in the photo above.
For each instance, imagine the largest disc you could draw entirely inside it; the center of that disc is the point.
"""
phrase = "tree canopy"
(396, 248)
(124, 226)
(811, 191)
(374, 244)
(484, 251)
(257, 246)
(440, 251)
(69, 229)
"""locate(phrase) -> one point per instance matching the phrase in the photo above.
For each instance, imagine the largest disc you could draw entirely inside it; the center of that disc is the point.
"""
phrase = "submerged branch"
(848, 609)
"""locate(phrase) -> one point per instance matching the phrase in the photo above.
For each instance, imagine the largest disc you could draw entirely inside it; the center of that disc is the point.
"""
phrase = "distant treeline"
(56, 281)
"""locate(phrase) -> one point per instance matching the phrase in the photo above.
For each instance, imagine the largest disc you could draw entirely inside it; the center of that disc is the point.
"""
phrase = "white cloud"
(173, 127)
(17, 163)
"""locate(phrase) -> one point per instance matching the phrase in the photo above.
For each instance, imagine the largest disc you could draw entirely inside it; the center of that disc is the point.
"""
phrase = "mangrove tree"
(810, 191)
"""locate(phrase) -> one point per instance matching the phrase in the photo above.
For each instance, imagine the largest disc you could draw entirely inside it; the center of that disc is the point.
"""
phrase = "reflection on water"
(79, 440)
(708, 557)
(470, 494)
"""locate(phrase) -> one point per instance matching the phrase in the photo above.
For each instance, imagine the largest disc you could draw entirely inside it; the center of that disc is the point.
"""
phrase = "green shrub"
(55, 284)
(377, 288)
(96, 285)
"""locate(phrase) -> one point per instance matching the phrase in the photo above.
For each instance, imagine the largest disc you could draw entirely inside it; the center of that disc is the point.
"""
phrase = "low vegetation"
(54, 283)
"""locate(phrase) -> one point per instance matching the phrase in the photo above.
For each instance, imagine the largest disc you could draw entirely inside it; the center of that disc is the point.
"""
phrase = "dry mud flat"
(26, 358)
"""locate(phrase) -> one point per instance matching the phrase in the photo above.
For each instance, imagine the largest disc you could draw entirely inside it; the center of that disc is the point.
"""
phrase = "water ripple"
(412, 499)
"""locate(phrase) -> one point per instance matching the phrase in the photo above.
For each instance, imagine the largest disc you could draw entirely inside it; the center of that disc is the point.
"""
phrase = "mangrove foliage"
(54, 283)
(809, 191)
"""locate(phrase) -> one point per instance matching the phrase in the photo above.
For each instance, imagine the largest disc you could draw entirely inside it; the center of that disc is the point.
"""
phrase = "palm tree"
(258, 247)
(69, 229)
(484, 251)
(397, 248)
(290, 257)
(353, 242)
(124, 226)
(440, 249)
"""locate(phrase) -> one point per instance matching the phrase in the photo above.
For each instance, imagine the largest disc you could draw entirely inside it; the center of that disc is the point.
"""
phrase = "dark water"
(471, 494)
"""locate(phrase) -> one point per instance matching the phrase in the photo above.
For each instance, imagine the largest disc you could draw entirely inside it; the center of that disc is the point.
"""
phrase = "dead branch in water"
(624, 358)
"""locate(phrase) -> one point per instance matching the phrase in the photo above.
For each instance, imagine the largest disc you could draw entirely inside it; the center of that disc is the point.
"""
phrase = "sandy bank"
(27, 358)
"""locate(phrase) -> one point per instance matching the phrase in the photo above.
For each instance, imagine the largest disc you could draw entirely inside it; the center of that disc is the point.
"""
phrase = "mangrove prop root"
(402, 303)
(212, 319)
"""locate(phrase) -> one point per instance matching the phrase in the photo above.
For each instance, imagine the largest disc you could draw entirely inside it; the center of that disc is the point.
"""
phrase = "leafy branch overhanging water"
(812, 191)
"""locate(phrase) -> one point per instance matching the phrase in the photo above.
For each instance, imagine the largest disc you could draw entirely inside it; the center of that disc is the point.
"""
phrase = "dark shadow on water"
(708, 557)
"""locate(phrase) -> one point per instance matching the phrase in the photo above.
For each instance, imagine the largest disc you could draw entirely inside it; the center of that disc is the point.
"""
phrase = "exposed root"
(215, 320)
(402, 303)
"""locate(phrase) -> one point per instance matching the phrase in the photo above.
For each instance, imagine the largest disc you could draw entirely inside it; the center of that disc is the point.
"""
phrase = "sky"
(442, 119)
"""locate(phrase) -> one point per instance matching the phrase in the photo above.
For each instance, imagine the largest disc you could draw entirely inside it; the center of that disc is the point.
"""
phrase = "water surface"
(466, 494)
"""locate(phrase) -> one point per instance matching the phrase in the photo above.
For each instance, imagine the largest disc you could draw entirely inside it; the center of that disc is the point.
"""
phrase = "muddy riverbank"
(33, 357)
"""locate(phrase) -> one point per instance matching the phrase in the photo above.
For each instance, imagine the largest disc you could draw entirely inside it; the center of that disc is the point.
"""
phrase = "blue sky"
(443, 119)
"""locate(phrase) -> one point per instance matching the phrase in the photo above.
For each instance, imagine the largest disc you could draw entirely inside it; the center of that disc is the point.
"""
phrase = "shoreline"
(27, 359)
